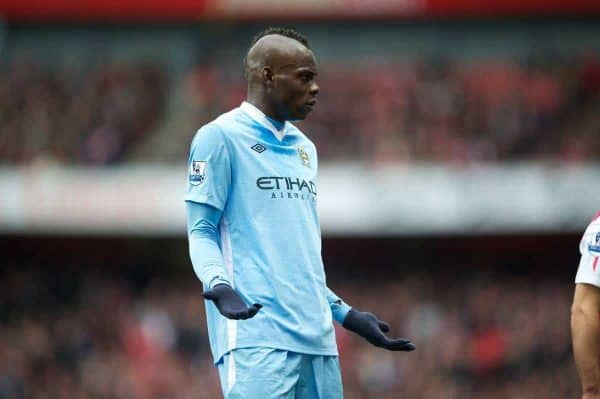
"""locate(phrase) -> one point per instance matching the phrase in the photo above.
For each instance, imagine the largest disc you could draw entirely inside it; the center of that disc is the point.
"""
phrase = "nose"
(314, 89)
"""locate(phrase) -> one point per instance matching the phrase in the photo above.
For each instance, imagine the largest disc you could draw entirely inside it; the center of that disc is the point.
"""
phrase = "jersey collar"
(262, 119)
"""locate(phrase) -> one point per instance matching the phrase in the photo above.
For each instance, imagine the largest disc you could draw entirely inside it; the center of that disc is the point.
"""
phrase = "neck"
(260, 102)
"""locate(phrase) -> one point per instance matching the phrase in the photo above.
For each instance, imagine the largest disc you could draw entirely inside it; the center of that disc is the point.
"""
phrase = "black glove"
(372, 329)
(229, 303)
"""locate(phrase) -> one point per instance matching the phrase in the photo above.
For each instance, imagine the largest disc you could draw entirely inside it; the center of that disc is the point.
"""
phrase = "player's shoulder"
(231, 121)
(594, 223)
(221, 128)
(303, 138)
(594, 226)
(590, 242)
(210, 133)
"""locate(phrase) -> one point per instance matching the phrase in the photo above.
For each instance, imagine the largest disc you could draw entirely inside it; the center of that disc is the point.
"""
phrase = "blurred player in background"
(585, 316)
(255, 239)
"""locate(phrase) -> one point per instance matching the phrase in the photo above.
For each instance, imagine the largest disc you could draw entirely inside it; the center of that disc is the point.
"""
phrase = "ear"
(267, 75)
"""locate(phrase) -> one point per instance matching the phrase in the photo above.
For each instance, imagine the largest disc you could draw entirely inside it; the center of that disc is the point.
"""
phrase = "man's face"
(294, 88)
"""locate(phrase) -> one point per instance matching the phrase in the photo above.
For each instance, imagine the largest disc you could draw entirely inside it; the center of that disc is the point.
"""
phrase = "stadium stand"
(88, 335)
(433, 110)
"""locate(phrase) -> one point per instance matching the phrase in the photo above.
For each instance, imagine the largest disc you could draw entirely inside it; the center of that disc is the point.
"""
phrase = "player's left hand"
(368, 326)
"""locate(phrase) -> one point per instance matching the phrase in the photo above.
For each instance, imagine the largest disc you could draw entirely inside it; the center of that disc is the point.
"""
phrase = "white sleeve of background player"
(589, 265)
(209, 168)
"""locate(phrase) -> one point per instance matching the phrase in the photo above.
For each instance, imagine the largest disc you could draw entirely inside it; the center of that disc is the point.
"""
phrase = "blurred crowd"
(77, 115)
(76, 335)
(547, 108)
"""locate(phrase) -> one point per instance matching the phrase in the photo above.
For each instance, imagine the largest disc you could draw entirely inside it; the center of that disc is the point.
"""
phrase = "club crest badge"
(304, 157)
(197, 169)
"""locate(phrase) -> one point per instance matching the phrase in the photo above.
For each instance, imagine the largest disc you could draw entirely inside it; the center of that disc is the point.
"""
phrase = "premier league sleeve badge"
(594, 246)
(197, 169)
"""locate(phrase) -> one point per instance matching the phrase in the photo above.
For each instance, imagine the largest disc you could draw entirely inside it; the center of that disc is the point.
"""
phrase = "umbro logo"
(259, 148)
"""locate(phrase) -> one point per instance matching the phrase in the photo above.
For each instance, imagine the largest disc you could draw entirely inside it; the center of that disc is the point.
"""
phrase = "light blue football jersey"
(265, 182)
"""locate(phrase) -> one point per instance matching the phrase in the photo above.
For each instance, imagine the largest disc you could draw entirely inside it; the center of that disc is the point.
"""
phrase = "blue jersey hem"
(304, 351)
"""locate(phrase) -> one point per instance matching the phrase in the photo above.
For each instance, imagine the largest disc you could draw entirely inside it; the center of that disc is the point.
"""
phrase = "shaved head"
(281, 70)
(274, 51)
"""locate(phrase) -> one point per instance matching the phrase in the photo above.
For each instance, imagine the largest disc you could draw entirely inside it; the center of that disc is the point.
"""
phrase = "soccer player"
(585, 313)
(255, 239)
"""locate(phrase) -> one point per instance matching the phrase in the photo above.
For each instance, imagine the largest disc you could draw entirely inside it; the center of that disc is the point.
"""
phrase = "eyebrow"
(300, 69)
(307, 69)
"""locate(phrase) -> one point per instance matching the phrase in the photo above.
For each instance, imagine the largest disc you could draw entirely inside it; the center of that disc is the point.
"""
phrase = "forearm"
(585, 331)
(205, 253)
(207, 260)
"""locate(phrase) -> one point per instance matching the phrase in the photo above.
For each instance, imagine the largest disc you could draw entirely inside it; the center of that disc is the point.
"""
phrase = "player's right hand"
(229, 303)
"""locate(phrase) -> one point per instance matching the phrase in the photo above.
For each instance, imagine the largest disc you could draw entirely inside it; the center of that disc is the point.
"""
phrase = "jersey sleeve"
(589, 247)
(204, 249)
(209, 168)
(339, 308)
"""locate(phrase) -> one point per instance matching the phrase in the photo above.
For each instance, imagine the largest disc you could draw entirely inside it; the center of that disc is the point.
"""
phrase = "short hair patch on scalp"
(282, 31)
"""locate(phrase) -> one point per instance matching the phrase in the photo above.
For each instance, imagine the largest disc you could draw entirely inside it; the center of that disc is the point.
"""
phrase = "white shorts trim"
(228, 260)
(231, 373)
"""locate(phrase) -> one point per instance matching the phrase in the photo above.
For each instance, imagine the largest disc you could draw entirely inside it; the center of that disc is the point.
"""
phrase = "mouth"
(311, 104)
